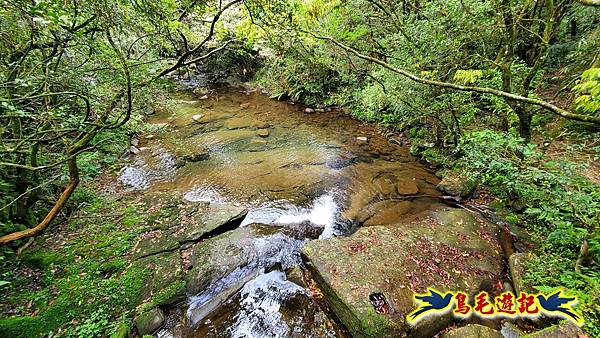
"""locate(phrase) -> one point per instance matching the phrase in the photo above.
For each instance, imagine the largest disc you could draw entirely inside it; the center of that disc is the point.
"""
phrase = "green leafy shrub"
(554, 193)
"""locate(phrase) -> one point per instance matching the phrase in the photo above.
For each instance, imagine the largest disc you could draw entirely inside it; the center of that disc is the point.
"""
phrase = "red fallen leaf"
(356, 248)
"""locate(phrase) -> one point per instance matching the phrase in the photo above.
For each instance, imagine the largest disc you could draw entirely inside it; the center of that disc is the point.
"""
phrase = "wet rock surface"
(254, 247)
(258, 186)
(448, 249)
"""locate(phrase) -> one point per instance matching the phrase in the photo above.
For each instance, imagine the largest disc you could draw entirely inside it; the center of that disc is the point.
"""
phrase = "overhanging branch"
(483, 90)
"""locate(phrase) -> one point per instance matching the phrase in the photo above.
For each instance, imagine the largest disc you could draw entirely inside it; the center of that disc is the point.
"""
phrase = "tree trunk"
(524, 122)
(62, 200)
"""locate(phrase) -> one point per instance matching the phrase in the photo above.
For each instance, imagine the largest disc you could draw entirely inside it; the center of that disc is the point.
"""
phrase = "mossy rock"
(517, 264)
(164, 285)
(244, 250)
(457, 185)
(149, 321)
(564, 330)
(219, 256)
(213, 220)
(153, 243)
(448, 249)
(193, 222)
(296, 276)
(41, 259)
(473, 331)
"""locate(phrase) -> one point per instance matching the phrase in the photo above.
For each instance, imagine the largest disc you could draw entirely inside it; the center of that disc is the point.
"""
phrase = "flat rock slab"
(205, 222)
(448, 249)
(150, 321)
(189, 222)
(154, 242)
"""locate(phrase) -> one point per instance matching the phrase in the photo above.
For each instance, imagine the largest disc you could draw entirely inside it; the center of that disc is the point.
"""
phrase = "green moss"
(22, 327)
(40, 259)
(546, 273)
(168, 295)
(121, 331)
(132, 220)
(86, 280)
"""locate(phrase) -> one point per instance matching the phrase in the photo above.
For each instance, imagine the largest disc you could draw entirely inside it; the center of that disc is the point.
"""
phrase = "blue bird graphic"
(555, 302)
(431, 302)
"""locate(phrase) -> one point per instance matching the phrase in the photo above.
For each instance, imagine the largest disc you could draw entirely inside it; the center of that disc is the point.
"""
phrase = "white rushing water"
(264, 252)
(259, 315)
(323, 211)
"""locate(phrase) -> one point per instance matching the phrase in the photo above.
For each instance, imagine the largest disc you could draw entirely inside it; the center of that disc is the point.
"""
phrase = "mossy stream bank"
(243, 216)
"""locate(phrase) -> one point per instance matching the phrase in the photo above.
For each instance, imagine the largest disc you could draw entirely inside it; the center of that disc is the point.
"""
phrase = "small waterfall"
(323, 211)
(261, 299)
(266, 252)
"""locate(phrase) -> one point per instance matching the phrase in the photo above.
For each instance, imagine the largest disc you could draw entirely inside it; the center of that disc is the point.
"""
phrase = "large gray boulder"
(448, 249)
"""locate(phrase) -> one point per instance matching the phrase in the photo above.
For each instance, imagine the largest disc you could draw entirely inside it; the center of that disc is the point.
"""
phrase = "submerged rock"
(258, 141)
(448, 249)
(190, 154)
(309, 110)
(263, 132)
(237, 123)
(197, 117)
(473, 331)
(150, 321)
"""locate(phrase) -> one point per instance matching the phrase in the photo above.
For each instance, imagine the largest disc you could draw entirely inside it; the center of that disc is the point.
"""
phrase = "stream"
(324, 170)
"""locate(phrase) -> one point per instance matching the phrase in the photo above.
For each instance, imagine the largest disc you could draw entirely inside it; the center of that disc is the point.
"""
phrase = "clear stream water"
(286, 167)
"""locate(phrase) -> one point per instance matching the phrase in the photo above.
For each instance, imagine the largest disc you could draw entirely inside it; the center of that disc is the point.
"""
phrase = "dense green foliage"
(508, 147)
